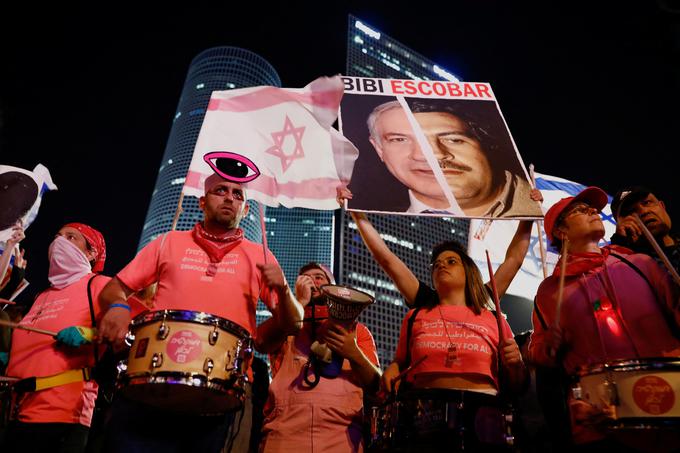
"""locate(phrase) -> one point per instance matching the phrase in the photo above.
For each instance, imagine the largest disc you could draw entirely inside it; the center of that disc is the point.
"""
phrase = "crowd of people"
(456, 376)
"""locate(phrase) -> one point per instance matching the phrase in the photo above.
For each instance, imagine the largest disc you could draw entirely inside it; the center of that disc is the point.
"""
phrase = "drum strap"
(668, 317)
(540, 315)
(94, 322)
(409, 333)
(34, 384)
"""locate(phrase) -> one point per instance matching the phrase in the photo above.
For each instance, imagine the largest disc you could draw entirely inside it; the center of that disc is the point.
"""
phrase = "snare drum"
(186, 361)
(428, 419)
(381, 426)
(641, 393)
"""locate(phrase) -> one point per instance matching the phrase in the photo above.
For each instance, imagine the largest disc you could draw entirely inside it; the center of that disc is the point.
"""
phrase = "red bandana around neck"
(216, 246)
(580, 263)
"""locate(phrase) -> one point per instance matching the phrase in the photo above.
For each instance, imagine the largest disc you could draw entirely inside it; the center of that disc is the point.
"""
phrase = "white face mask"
(68, 263)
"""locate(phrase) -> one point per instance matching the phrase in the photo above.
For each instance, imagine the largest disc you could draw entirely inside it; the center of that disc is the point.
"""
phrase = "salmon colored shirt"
(327, 418)
(179, 265)
(475, 338)
(35, 354)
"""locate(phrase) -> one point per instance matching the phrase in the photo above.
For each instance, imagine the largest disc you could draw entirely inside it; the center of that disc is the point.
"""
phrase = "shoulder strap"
(409, 333)
(92, 317)
(540, 315)
(664, 311)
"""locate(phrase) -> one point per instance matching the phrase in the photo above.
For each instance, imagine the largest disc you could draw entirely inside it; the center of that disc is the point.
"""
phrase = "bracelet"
(125, 306)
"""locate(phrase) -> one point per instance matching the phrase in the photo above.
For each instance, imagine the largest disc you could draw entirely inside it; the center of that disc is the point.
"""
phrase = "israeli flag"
(21, 193)
(496, 236)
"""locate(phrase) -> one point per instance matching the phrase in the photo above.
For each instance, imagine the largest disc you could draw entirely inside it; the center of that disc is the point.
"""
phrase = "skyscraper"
(218, 68)
(371, 53)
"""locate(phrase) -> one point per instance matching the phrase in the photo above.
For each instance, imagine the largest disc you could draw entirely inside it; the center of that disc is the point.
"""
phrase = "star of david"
(280, 136)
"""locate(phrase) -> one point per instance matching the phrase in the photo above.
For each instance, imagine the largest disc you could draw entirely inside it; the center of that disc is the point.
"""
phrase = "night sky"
(589, 93)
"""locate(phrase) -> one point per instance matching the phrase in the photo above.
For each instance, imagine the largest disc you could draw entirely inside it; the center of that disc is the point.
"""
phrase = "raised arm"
(514, 257)
(405, 281)
(517, 250)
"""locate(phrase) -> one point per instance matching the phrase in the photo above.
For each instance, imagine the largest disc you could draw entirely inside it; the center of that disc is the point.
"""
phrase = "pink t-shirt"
(179, 265)
(475, 338)
(327, 418)
(35, 354)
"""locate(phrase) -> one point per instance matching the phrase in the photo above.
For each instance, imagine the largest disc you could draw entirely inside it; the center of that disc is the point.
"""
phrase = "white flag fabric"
(278, 142)
(21, 193)
(496, 237)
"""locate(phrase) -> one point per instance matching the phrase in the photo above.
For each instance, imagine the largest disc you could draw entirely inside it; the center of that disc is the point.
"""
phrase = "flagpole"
(501, 331)
(539, 228)
(178, 211)
(264, 232)
(560, 288)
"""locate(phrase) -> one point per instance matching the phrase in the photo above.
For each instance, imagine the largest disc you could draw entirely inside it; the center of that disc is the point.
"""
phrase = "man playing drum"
(310, 408)
(614, 305)
(212, 269)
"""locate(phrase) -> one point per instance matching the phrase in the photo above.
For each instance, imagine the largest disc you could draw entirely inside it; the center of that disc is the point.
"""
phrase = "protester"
(614, 306)
(54, 400)
(212, 269)
(319, 409)
(466, 354)
(643, 202)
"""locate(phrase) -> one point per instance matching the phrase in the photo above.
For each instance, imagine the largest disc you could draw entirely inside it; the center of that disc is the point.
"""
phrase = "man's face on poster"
(460, 156)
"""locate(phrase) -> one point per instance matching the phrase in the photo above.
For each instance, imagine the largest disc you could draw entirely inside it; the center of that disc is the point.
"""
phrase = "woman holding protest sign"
(454, 355)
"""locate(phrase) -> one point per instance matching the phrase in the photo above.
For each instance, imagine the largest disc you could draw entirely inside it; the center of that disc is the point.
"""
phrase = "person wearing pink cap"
(318, 407)
(615, 306)
(55, 398)
(213, 269)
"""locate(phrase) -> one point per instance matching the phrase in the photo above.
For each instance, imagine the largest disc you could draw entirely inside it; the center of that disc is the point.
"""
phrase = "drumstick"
(560, 288)
(178, 211)
(15, 325)
(264, 232)
(657, 248)
(9, 379)
(502, 334)
(401, 375)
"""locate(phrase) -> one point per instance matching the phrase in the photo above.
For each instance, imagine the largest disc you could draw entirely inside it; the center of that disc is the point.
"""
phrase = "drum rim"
(445, 395)
(642, 364)
(182, 378)
(231, 393)
(339, 298)
(206, 319)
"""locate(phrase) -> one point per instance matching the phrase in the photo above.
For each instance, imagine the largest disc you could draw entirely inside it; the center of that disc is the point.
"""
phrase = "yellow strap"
(67, 377)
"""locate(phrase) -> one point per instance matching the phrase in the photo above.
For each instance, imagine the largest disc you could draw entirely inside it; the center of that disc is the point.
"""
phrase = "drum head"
(197, 317)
